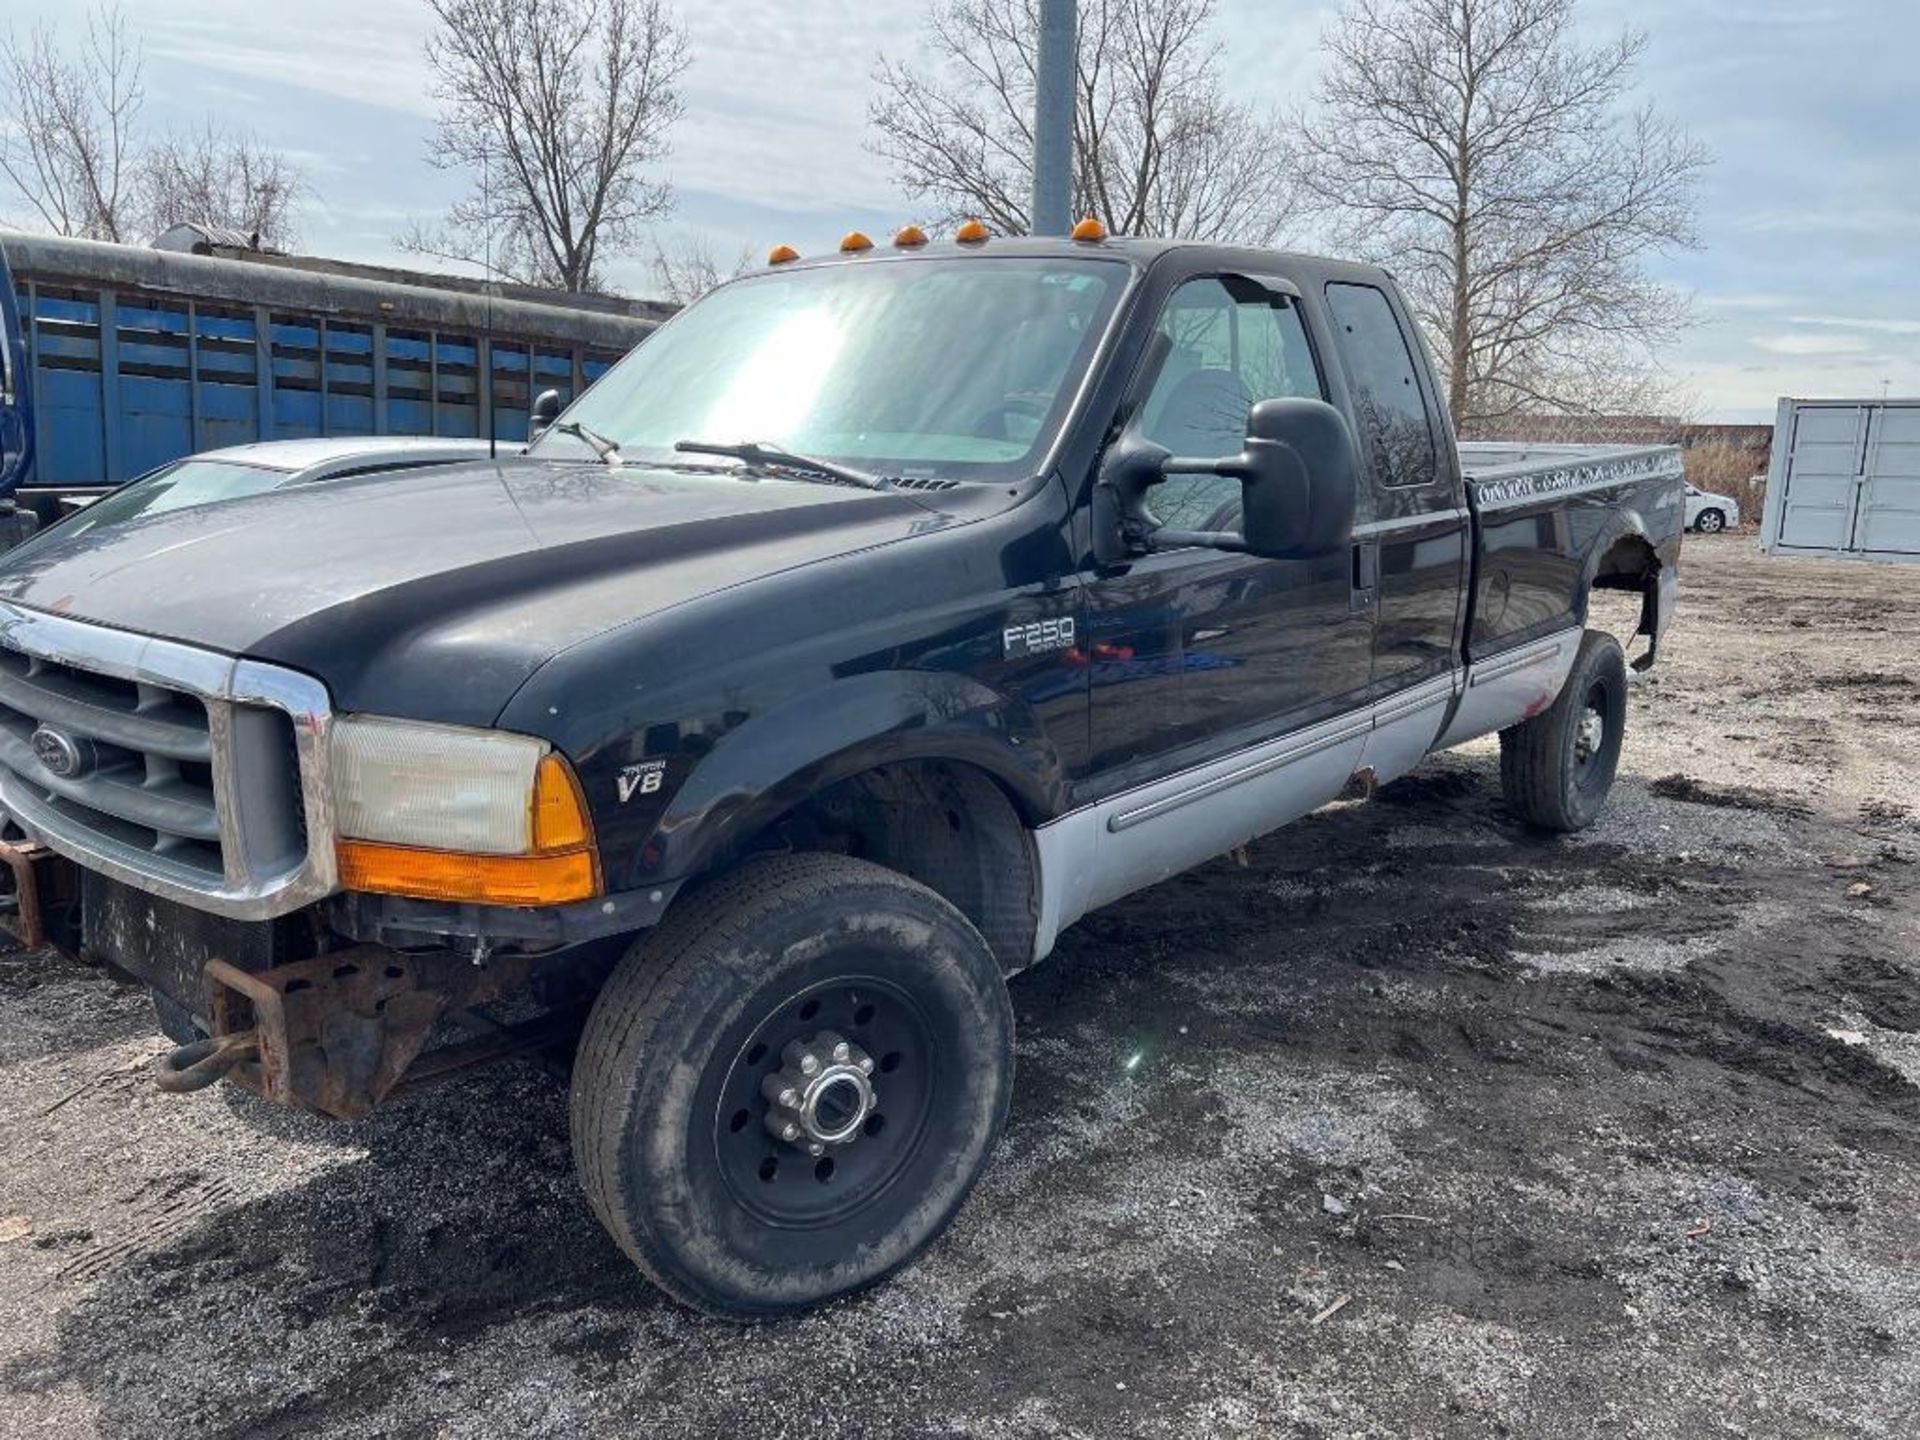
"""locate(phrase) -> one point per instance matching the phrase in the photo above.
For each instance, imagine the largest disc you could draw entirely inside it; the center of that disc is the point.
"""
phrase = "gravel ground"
(1430, 1128)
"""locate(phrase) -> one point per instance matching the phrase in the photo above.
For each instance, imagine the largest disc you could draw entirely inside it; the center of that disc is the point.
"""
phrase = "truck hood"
(437, 593)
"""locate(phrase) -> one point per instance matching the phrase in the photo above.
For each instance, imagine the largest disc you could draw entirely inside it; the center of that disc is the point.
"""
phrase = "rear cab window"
(1395, 430)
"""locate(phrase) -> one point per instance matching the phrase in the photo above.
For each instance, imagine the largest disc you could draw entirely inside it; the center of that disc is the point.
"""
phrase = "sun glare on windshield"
(779, 380)
(962, 366)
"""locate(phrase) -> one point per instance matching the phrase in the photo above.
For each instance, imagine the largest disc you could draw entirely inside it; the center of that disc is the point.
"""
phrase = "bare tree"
(1158, 148)
(66, 138)
(1481, 150)
(220, 177)
(686, 268)
(70, 144)
(557, 108)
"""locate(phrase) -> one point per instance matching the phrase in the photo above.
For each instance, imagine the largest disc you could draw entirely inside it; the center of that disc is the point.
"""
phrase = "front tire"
(1710, 522)
(786, 1092)
(1557, 767)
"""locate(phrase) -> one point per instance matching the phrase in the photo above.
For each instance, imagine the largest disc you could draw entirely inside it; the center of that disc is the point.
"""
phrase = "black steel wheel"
(849, 1126)
(787, 1091)
(1557, 768)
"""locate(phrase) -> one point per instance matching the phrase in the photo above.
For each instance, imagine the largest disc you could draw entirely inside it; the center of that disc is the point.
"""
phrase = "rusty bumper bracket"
(336, 1034)
(40, 879)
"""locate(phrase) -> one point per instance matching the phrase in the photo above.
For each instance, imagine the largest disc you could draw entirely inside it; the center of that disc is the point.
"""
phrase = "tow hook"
(196, 1066)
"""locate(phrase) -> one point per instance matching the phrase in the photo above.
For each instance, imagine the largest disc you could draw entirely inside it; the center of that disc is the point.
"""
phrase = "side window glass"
(1394, 431)
(1233, 343)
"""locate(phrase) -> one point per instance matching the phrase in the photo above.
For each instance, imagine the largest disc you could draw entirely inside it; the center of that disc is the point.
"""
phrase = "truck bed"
(1546, 519)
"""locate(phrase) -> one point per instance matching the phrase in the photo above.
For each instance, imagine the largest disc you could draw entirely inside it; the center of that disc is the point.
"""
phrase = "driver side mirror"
(1297, 471)
(546, 410)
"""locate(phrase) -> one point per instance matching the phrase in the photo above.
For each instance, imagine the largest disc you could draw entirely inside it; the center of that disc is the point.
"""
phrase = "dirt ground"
(1411, 1126)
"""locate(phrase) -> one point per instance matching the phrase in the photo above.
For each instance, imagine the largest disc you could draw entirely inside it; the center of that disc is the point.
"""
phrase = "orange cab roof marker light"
(782, 254)
(1089, 230)
(909, 237)
(854, 242)
(973, 232)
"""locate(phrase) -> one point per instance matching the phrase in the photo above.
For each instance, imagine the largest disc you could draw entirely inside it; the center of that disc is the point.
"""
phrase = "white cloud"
(369, 51)
(1859, 322)
(1810, 344)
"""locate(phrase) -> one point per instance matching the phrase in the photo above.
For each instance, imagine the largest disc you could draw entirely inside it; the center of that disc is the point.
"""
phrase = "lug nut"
(821, 1096)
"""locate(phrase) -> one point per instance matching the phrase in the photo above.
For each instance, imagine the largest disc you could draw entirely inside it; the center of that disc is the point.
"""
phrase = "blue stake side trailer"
(16, 400)
(115, 358)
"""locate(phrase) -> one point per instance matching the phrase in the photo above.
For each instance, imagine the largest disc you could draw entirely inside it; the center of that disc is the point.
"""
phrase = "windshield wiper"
(602, 446)
(763, 454)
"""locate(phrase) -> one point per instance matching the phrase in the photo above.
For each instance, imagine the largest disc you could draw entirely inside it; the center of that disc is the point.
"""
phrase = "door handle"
(1366, 573)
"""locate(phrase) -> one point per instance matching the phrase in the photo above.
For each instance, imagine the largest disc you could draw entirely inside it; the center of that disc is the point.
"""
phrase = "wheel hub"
(1593, 729)
(821, 1095)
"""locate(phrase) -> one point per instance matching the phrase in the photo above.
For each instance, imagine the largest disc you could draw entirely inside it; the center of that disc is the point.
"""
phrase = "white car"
(1710, 513)
(239, 470)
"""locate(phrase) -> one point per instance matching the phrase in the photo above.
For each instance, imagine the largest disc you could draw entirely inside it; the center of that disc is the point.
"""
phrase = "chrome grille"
(147, 757)
(177, 770)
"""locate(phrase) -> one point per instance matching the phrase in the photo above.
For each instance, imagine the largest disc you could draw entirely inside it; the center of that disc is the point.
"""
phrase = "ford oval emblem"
(59, 754)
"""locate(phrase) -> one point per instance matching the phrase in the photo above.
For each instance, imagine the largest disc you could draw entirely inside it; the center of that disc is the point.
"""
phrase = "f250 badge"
(1036, 637)
(644, 777)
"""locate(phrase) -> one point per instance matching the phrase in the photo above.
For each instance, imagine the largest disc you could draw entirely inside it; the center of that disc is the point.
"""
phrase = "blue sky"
(1807, 283)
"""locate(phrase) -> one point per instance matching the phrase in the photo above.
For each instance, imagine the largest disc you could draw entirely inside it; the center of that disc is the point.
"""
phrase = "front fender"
(771, 762)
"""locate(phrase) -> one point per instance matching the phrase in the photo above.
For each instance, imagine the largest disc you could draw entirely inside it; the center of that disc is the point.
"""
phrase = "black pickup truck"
(872, 621)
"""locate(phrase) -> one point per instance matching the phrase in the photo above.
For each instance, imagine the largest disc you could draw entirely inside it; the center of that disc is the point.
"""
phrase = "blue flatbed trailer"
(115, 359)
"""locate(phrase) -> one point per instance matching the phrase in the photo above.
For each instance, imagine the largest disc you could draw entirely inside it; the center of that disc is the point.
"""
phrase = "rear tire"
(707, 1026)
(1557, 767)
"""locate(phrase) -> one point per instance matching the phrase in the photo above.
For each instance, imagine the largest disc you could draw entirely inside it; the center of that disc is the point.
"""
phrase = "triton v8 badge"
(641, 778)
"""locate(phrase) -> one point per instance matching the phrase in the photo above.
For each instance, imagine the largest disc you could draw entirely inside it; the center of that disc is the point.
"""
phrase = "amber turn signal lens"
(909, 237)
(485, 879)
(782, 254)
(972, 232)
(560, 819)
(1089, 229)
(854, 242)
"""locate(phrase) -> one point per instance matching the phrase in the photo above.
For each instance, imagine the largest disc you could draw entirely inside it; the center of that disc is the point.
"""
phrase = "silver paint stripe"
(1398, 707)
(1514, 660)
(1291, 749)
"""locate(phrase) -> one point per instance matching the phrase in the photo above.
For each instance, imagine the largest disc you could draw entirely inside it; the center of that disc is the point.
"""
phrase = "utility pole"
(1053, 119)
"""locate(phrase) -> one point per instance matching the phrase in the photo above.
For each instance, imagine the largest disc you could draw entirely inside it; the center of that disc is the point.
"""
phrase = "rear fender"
(767, 766)
(1625, 548)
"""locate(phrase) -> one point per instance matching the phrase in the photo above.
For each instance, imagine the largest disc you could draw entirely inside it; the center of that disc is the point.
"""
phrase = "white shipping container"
(1844, 480)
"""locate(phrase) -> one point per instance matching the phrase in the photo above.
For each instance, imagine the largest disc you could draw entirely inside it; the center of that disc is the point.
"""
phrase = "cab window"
(1395, 434)
(1234, 342)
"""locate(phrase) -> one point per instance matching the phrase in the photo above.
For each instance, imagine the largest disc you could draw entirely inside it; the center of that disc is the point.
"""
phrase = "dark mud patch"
(1731, 797)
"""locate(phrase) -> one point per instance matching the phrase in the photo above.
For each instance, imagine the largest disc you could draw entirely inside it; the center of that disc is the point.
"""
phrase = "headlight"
(443, 812)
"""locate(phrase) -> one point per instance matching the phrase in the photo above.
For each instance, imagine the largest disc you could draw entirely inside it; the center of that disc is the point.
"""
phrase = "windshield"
(963, 368)
(174, 487)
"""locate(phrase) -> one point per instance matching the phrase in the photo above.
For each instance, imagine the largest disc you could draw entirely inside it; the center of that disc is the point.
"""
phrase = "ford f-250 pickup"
(873, 620)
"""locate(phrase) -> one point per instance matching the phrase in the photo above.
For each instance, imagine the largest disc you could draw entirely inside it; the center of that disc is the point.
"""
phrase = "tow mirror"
(1297, 471)
(1297, 479)
(546, 410)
